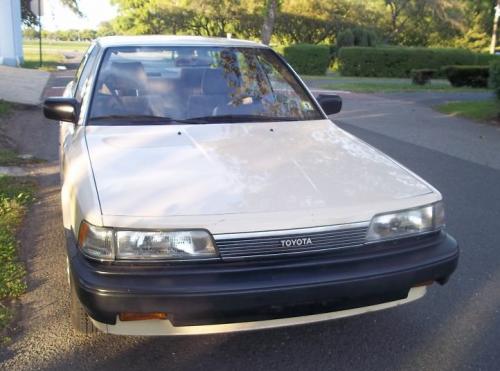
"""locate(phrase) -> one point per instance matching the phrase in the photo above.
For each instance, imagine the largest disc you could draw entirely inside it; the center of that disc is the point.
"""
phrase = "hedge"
(494, 80)
(474, 76)
(308, 59)
(399, 61)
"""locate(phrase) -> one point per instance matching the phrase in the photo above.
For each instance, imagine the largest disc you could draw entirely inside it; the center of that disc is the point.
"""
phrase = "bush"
(357, 36)
(399, 61)
(494, 80)
(364, 37)
(474, 76)
(422, 77)
(308, 59)
(345, 38)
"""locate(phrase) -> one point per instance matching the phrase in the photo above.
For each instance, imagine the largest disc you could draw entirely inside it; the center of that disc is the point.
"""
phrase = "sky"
(58, 17)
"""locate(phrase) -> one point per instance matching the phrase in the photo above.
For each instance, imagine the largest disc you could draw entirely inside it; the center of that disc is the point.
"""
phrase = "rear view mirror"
(330, 103)
(61, 109)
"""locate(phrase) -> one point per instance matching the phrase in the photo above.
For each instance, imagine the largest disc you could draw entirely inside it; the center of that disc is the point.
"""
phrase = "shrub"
(364, 37)
(345, 38)
(494, 80)
(423, 76)
(308, 59)
(474, 76)
(357, 36)
(399, 61)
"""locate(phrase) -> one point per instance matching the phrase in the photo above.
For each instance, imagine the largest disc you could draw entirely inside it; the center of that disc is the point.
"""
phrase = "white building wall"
(11, 41)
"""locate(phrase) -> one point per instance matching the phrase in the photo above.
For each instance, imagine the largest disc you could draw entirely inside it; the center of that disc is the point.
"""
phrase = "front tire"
(79, 317)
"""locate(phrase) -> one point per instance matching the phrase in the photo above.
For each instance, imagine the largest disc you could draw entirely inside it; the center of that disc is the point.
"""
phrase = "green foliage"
(387, 85)
(364, 37)
(494, 80)
(473, 76)
(483, 110)
(357, 36)
(30, 19)
(399, 61)
(11, 158)
(298, 21)
(345, 38)
(5, 317)
(53, 52)
(475, 38)
(450, 23)
(308, 59)
(15, 196)
(444, 23)
(422, 77)
(4, 108)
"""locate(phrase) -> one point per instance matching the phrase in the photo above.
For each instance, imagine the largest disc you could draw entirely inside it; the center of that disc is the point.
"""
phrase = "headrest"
(191, 77)
(126, 75)
(217, 81)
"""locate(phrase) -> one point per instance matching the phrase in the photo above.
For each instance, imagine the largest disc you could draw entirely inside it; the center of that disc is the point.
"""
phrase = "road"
(455, 327)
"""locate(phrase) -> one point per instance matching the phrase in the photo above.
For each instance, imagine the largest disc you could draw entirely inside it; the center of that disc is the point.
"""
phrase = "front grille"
(303, 241)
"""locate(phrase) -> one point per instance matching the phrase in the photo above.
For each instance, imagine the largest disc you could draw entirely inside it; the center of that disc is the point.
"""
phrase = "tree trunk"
(493, 44)
(269, 18)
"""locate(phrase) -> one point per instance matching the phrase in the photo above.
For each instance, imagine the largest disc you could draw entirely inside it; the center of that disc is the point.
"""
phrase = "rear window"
(197, 85)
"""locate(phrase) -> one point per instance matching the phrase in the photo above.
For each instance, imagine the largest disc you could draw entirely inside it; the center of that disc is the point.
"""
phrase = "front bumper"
(220, 293)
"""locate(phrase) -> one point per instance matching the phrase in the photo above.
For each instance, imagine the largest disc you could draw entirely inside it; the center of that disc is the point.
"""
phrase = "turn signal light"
(137, 316)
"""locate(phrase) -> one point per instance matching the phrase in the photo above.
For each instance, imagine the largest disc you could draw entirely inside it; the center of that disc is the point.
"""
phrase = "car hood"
(222, 169)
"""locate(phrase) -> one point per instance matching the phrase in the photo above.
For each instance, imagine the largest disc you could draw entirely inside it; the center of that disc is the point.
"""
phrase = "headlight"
(109, 244)
(407, 222)
(164, 245)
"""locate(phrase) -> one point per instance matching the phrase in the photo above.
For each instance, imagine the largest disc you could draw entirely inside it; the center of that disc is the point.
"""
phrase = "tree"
(465, 23)
(269, 19)
(30, 19)
(441, 20)
(398, 16)
(495, 26)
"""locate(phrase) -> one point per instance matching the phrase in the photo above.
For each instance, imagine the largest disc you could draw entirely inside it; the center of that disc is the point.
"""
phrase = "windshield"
(189, 85)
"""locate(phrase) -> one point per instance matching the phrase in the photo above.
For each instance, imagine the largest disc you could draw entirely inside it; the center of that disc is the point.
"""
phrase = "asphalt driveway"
(453, 327)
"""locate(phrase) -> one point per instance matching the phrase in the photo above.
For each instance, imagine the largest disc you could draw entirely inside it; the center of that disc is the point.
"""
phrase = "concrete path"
(22, 85)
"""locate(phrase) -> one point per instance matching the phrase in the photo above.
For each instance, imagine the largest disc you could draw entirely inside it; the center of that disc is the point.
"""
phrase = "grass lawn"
(4, 108)
(484, 110)
(52, 53)
(380, 85)
(63, 46)
(10, 158)
(15, 196)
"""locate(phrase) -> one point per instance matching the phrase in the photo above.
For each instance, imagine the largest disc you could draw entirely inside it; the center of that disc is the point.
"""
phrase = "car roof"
(172, 40)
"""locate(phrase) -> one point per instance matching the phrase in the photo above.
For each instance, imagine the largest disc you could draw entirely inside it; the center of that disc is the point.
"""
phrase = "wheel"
(79, 318)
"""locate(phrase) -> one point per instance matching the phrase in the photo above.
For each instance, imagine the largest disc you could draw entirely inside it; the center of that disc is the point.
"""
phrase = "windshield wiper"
(242, 118)
(150, 119)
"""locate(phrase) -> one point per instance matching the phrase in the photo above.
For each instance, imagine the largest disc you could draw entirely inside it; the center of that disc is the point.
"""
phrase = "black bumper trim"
(201, 294)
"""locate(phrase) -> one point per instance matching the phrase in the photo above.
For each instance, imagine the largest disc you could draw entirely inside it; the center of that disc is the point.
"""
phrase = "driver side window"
(84, 73)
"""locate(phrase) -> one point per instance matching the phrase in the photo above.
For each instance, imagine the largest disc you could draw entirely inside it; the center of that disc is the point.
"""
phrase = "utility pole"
(36, 7)
(40, 31)
(493, 45)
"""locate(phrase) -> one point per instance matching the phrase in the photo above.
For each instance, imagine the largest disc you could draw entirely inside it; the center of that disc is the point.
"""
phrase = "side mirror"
(61, 109)
(331, 104)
